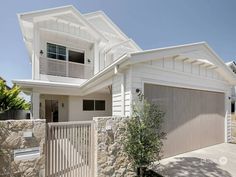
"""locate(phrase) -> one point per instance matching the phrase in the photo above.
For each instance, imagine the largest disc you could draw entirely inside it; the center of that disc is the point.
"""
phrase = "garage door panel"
(180, 118)
(194, 118)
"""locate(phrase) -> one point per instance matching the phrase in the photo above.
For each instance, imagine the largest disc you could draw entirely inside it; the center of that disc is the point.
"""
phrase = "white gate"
(69, 149)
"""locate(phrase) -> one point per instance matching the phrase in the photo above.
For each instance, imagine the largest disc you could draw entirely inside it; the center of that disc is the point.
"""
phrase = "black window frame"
(79, 52)
(103, 106)
(94, 107)
(59, 53)
(86, 107)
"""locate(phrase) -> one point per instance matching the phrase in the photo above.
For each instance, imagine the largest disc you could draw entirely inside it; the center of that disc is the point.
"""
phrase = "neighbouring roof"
(232, 66)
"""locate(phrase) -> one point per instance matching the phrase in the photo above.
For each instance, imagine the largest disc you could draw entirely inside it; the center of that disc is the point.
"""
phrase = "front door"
(51, 110)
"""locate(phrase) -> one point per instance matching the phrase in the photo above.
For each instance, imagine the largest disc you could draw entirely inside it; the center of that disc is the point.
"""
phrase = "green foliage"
(10, 99)
(144, 135)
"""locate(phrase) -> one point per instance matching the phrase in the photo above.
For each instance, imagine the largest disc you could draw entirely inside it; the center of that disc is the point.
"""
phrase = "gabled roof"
(110, 24)
(30, 16)
(196, 52)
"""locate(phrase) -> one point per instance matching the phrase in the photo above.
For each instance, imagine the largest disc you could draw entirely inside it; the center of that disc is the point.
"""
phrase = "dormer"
(66, 46)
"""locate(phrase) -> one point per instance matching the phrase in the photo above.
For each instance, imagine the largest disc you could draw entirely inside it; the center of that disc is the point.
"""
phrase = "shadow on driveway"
(191, 167)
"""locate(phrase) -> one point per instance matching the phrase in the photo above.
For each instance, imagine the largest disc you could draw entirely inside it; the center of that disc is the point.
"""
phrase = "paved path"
(214, 161)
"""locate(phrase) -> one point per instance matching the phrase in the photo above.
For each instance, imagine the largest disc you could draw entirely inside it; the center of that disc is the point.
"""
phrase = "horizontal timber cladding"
(194, 118)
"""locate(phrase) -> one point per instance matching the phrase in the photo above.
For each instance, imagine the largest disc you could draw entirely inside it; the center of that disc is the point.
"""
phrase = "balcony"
(62, 68)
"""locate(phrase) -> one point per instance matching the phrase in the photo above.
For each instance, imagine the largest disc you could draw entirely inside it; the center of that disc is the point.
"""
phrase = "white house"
(84, 66)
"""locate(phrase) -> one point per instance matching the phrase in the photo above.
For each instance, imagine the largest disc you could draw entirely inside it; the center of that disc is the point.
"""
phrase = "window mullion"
(57, 52)
(67, 63)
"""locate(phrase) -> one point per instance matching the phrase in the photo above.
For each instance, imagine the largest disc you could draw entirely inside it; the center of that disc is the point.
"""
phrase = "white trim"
(113, 26)
(66, 34)
(58, 11)
(51, 78)
(184, 73)
(179, 85)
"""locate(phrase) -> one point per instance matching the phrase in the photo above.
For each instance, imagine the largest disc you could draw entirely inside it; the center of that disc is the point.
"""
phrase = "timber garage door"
(194, 118)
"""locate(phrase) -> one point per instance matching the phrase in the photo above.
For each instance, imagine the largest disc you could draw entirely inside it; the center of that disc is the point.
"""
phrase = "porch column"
(35, 103)
(35, 54)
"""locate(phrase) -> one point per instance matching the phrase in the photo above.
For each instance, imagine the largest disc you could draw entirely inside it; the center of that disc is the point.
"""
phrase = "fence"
(69, 147)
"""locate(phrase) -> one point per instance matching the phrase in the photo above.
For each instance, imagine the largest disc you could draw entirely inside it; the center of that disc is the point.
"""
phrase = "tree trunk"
(141, 171)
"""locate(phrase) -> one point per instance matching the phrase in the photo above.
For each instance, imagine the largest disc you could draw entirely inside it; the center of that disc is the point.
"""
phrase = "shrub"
(144, 135)
(10, 99)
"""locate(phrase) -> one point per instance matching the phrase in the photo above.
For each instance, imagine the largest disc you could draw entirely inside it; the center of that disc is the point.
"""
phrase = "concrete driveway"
(214, 161)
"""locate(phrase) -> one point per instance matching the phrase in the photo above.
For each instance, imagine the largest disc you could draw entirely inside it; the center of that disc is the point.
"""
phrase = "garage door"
(194, 119)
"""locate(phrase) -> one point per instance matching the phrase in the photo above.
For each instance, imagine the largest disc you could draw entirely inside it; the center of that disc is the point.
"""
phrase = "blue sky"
(151, 23)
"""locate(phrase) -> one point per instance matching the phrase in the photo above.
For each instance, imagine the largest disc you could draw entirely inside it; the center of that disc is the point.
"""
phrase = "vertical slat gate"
(69, 149)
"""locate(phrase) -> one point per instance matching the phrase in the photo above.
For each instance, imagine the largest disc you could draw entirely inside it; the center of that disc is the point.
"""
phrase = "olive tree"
(144, 135)
(10, 99)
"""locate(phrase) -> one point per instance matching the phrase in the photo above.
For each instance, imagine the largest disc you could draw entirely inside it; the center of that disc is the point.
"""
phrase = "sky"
(150, 23)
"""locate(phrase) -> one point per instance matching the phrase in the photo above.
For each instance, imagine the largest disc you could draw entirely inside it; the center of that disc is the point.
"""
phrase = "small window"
(100, 105)
(56, 51)
(77, 57)
(94, 105)
(88, 105)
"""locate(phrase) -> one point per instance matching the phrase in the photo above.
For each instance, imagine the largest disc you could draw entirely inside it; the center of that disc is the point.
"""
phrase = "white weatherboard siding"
(121, 93)
(76, 112)
(116, 95)
(171, 72)
(128, 96)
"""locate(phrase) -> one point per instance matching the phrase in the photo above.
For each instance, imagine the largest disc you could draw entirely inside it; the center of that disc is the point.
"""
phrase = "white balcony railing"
(65, 68)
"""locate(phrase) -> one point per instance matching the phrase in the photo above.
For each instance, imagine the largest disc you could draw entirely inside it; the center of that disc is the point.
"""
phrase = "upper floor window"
(60, 52)
(76, 56)
(56, 51)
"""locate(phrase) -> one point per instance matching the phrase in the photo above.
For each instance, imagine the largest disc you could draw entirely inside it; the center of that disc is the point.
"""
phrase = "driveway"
(214, 161)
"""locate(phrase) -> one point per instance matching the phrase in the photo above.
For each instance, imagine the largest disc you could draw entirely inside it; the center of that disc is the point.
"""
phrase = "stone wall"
(16, 135)
(110, 160)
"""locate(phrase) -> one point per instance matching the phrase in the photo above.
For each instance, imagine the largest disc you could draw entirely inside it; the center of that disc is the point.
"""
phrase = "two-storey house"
(84, 66)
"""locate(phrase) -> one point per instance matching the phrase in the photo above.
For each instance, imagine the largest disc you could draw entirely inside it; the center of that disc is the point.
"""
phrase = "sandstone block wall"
(111, 161)
(12, 138)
